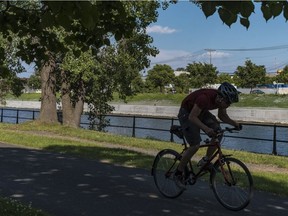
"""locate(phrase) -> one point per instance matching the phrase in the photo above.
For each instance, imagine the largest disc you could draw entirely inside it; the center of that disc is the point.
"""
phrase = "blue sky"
(182, 33)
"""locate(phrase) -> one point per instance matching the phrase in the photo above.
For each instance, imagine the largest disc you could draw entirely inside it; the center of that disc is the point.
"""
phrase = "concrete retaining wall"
(270, 115)
(241, 114)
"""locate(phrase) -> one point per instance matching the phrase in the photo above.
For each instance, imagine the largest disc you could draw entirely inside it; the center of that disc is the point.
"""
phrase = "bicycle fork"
(227, 174)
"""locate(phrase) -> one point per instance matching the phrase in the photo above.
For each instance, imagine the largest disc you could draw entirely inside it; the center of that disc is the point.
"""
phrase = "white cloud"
(166, 56)
(174, 58)
(180, 58)
(213, 54)
(160, 29)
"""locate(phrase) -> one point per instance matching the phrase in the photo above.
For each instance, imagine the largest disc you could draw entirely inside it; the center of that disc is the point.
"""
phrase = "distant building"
(178, 73)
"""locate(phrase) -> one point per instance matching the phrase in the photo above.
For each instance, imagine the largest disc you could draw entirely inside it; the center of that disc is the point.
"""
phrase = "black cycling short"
(191, 131)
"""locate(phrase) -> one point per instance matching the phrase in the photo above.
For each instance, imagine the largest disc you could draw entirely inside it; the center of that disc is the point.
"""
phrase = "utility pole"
(210, 53)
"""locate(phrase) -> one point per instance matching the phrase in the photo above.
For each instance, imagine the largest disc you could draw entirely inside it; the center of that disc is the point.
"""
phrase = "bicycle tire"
(236, 191)
(164, 167)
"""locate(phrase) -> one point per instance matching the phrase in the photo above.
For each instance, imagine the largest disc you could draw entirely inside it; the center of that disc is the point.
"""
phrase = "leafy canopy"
(249, 75)
(232, 11)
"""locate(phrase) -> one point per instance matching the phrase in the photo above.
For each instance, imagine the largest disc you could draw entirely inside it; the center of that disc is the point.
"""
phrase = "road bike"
(230, 179)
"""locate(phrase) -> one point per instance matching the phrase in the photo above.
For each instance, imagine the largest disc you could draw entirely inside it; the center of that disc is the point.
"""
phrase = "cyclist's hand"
(210, 132)
(239, 126)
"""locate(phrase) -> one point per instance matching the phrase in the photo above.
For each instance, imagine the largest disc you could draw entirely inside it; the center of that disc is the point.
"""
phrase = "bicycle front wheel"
(232, 184)
(164, 167)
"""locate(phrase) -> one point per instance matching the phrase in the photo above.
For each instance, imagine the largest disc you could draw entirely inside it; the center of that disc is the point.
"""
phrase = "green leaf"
(55, 6)
(276, 9)
(266, 12)
(208, 8)
(77, 53)
(118, 36)
(10, 39)
(224, 14)
(285, 11)
(227, 17)
(107, 41)
(245, 22)
(247, 8)
(86, 18)
(47, 20)
(233, 7)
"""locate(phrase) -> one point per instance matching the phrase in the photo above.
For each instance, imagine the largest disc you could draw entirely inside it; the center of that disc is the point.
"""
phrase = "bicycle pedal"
(191, 181)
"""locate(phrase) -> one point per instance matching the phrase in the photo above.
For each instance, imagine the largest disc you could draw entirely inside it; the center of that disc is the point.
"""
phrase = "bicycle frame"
(217, 154)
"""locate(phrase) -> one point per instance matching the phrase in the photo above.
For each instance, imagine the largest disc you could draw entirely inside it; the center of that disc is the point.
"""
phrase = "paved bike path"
(64, 185)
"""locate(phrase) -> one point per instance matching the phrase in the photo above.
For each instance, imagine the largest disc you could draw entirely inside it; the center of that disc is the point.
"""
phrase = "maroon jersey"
(204, 98)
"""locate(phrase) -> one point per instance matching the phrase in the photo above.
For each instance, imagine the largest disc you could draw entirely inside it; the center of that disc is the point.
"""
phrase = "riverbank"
(247, 114)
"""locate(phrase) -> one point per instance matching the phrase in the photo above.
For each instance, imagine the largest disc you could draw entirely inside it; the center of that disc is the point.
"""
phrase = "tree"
(34, 81)
(138, 85)
(86, 24)
(224, 77)
(249, 75)
(10, 67)
(160, 75)
(283, 75)
(201, 74)
(94, 76)
(182, 83)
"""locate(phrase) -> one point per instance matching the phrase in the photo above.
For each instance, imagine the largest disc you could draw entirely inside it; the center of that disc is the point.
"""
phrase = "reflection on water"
(261, 142)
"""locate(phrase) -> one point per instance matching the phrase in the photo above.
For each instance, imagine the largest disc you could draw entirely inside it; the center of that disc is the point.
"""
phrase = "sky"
(183, 35)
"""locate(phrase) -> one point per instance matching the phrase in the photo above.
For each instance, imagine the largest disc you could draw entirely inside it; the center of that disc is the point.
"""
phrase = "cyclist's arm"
(223, 116)
(193, 117)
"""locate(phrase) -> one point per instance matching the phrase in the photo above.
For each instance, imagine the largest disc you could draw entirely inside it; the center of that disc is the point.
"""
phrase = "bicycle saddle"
(177, 130)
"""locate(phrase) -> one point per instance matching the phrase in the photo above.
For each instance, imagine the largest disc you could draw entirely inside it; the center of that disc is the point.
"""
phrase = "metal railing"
(17, 116)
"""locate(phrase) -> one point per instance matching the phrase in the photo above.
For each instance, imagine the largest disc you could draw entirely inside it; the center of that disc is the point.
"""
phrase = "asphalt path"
(63, 185)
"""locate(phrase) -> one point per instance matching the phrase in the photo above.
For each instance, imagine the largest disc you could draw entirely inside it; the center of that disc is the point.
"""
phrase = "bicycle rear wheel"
(164, 167)
(232, 184)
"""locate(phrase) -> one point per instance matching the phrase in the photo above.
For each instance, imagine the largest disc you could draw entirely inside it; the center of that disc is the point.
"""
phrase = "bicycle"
(230, 179)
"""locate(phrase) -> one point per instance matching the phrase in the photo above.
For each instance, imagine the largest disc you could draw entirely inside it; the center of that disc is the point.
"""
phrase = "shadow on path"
(64, 185)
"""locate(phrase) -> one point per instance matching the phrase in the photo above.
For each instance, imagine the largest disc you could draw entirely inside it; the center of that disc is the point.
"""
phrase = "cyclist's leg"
(192, 135)
(211, 121)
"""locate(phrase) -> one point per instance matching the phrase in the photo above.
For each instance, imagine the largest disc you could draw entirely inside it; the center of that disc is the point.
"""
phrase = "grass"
(14, 208)
(263, 100)
(25, 97)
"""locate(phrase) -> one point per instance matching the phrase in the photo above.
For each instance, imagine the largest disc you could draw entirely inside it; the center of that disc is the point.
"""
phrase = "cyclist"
(194, 115)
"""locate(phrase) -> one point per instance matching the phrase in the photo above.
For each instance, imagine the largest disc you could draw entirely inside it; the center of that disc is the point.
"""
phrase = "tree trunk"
(72, 110)
(48, 112)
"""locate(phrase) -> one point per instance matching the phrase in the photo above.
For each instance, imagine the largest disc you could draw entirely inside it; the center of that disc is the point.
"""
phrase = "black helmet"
(229, 92)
